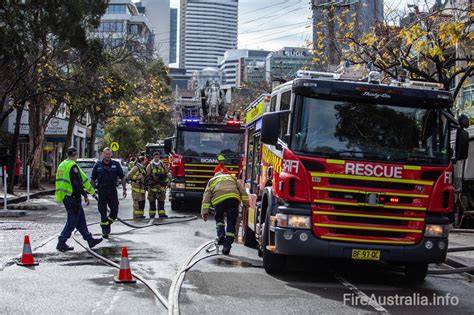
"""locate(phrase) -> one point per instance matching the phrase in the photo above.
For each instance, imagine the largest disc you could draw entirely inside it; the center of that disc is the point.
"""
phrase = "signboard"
(255, 112)
(114, 146)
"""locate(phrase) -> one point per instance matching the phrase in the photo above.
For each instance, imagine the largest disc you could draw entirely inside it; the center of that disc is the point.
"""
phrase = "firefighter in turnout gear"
(224, 193)
(157, 180)
(71, 185)
(220, 165)
(137, 176)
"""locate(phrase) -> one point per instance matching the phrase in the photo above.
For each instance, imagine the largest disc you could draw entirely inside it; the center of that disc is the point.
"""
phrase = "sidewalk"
(461, 259)
(20, 193)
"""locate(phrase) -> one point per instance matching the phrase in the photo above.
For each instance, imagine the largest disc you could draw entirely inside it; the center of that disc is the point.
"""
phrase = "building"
(179, 79)
(173, 35)
(123, 24)
(364, 13)
(251, 73)
(282, 65)
(233, 63)
(208, 28)
(158, 13)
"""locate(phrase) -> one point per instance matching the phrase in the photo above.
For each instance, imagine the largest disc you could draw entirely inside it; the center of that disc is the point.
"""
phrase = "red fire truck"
(352, 170)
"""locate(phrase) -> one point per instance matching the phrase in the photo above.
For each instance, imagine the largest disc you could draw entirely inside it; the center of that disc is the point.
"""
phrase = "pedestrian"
(220, 165)
(137, 176)
(71, 185)
(49, 165)
(224, 193)
(16, 180)
(105, 176)
(157, 177)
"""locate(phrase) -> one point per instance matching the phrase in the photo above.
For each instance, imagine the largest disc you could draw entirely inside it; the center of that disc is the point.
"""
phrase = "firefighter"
(220, 165)
(71, 185)
(157, 177)
(224, 193)
(105, 175)
(137, 176)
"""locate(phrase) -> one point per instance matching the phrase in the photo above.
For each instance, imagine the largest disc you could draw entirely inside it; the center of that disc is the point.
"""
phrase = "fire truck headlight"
(282, 219)
(299, 221)
(178, 185)
(437, 230)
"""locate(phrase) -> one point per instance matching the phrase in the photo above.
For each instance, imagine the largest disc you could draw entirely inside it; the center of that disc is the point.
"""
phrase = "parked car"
(124, 166)
(86, 165)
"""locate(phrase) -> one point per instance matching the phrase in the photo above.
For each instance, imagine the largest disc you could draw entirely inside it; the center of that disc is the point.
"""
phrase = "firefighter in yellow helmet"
(224, 193)
(220, 165)
(137, 176)
(157, 180)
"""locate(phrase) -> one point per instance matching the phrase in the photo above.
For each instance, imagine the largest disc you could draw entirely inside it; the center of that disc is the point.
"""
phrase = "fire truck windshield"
(371, 132)
(210, 144)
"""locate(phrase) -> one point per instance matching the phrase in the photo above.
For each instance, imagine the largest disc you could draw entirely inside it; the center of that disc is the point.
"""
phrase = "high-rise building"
(283, 64)
(208, 29)
(158, 13)
(364, 13)
(173, 35)
(236, 59)
(123, 22)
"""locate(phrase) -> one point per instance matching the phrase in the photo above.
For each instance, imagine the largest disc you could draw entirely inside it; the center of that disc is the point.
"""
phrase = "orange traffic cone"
(27, 256)
(125, 273)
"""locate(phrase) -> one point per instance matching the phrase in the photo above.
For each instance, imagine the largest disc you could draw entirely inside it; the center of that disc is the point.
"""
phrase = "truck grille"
(197, 175)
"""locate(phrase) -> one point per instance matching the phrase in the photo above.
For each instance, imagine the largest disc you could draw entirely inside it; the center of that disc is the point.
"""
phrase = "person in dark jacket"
(105, 176)
(71, 185)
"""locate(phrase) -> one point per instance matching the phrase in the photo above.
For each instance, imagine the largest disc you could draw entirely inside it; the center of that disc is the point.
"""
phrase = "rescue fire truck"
(352, 170)
(203, 132)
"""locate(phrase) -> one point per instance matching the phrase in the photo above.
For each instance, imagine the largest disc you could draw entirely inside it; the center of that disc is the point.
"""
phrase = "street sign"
(114, 146)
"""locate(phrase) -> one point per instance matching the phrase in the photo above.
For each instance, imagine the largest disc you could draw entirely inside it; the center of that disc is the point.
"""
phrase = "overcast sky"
(273, 24)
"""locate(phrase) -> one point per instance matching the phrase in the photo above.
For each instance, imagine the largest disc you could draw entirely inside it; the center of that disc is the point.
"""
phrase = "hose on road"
(158, 295)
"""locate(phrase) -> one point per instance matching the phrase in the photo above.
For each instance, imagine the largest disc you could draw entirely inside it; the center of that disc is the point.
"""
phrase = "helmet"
(221, 158)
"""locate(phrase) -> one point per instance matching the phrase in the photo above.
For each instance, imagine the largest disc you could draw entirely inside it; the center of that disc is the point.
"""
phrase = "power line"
(272, 28)
(269, 15)
(268, 6)
(268, 35)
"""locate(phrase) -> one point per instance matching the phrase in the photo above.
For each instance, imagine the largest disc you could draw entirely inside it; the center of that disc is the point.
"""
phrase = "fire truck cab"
(352, 170)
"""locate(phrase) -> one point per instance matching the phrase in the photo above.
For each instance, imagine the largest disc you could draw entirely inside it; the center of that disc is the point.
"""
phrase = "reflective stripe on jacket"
(220, 188)
(138, 185)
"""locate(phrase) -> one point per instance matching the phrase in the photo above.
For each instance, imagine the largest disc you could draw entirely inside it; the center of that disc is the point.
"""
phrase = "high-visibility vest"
(63, 180)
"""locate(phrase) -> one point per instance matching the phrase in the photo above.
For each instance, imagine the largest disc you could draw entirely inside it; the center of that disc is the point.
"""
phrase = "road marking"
(360, 294)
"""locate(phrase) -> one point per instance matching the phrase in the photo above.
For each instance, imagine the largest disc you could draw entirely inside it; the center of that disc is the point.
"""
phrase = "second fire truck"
(352, 170)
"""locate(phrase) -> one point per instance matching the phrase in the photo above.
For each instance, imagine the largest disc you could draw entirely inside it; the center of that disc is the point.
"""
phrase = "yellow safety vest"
(63, 181)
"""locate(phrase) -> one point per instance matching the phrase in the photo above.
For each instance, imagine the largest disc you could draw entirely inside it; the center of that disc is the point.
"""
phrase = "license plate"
(364, 254)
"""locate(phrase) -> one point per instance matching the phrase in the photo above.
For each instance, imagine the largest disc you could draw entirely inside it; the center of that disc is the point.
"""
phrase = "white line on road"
(363, 297)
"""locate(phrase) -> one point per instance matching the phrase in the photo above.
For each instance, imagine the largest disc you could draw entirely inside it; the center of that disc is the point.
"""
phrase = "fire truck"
(203, 132)
(151, 148)
(354, 170)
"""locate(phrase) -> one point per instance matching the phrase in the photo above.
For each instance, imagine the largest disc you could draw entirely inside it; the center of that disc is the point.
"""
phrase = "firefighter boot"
(63, 247)
(161, 211)
(105, 230)
(220, 227)
(229, 239)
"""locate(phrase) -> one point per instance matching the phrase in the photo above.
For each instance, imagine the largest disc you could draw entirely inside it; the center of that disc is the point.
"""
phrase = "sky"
(274, 24)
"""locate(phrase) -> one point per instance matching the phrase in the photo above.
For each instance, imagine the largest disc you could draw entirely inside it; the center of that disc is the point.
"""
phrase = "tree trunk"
(37, 129)
(14, 149)
(93, 137)
(73, 115)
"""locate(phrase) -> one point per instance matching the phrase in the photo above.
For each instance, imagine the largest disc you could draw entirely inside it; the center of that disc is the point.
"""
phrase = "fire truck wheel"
(416, 272)
(273, 263)
(175, 205)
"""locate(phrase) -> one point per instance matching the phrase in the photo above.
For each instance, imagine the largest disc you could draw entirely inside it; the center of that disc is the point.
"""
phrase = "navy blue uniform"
(76, 218)
(106, 176)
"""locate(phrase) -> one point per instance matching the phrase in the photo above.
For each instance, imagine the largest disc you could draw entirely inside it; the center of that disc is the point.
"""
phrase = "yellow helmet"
(220, 158)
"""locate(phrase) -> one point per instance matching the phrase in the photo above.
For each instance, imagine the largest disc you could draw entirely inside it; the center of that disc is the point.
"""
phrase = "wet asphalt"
(75, 282)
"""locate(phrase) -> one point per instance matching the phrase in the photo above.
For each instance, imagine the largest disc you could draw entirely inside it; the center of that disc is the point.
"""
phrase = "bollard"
(28, 183)
(5, 176)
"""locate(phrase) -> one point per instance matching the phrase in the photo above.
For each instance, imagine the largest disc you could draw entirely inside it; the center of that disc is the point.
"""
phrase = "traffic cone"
(125, 273)
(27, 258)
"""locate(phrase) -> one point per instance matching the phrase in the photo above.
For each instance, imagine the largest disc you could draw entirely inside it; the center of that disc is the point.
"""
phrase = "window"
(134, 29)
(273, 103)
(117, 9)
(284, 118)
(107, 27)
